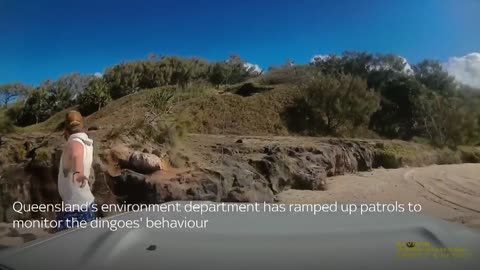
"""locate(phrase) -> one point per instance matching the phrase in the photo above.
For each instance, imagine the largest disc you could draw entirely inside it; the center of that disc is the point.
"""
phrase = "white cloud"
(98, 74)
(407, 69)
(465, 69)
(319, 58)
(252, 68)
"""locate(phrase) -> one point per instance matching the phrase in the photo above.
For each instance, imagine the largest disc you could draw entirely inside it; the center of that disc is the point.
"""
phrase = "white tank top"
(70, 191)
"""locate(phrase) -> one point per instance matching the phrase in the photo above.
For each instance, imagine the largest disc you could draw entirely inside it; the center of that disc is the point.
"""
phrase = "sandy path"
(451, 192)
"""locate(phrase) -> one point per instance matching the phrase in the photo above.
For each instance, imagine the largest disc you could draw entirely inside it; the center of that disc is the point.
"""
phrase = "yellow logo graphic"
(425, 249)
(410, 244)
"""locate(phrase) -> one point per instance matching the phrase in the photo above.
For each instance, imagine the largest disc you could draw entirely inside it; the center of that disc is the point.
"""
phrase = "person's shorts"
(68, 220)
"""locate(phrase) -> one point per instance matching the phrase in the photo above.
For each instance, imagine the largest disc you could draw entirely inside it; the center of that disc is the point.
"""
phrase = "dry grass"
(54, 123)
(259, 114)
(15, 153)
(205, 110)
(396, 154)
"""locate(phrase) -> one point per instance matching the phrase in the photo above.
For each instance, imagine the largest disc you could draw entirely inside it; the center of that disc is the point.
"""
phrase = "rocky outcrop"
(130, 186)
(253, 173)
(237, 170)
(307, 167)
(144, 162)
(236, 182)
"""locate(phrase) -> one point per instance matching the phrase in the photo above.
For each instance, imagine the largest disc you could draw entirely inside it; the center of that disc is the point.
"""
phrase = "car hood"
(257, 240)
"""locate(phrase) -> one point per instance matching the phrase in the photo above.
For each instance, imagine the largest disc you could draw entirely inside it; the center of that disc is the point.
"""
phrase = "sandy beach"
(450, 192)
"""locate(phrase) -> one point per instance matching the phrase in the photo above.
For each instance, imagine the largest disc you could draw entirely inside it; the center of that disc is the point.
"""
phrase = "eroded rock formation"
(249, 171)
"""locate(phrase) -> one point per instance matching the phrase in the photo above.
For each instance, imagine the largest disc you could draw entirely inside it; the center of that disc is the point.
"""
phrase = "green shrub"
(446, 120)
(43, 155)
(13, 112)
(166, 132)
(228, 72)
(448, 156)
(387, 160)
(6, 124)
(17, 152)
(339, 102)
(288, 74)
(160, 100)
(130, 77)
(95, 96)
(469, 154)
(171, 133)
(198, 89)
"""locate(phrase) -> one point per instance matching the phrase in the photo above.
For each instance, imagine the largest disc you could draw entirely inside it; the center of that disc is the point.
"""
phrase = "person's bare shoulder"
(75, 148)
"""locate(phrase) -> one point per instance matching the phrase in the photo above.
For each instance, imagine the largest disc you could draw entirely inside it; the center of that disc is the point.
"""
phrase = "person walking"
(73, 174)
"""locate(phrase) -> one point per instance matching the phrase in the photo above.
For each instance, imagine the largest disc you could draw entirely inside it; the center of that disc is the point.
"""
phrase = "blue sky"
(43, 39)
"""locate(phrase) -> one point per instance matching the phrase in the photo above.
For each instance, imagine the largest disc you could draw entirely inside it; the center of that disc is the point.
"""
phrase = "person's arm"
(77, 158)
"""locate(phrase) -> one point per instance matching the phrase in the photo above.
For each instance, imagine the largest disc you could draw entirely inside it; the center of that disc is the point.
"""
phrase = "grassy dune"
(207, 110)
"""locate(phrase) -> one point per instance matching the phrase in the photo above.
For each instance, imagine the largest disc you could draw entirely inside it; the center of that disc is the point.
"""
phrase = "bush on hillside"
(340, 102)
(6, 123)
(160, 101)
(39, 104)
(35, 109)
(446, 120)
(288, 74)
(425, 102)
(229, 72)
(395, 119)
(131, 77)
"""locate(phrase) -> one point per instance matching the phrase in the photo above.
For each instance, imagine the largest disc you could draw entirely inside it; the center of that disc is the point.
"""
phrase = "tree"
(59, 99)
(6, 123)
(218, 74)
(396, 118)
(431, 74)
(36, 108)
(350, 62)
(357, 63)
(95, 96)
(361, 64)
(181, 72)
(130, 77)
(234, 70)
(330, 64)
(41, 103)
(388, 62)
(14, 111)
(342, 101)
(64, 90)
(75, 82)
(446, 120)
(11, 91)
(123, 79)
(291, 74)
